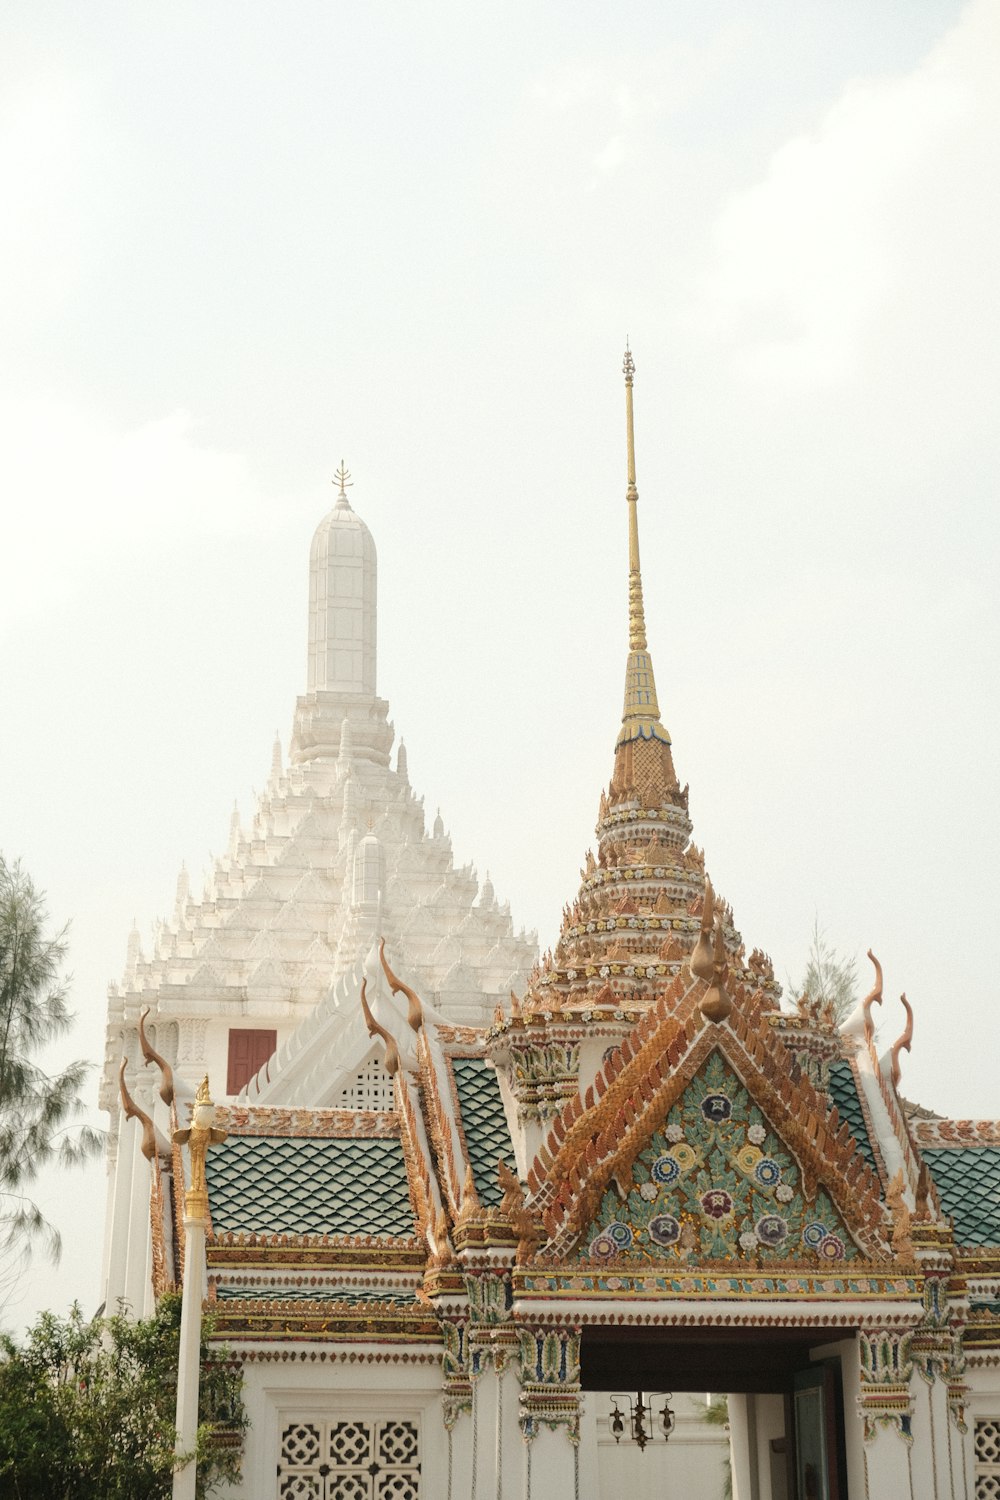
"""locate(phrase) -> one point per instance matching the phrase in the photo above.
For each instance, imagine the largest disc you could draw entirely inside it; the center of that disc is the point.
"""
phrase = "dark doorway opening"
(738, 1361)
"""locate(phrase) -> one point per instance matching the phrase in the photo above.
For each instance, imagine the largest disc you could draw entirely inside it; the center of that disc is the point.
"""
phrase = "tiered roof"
(643, 1137)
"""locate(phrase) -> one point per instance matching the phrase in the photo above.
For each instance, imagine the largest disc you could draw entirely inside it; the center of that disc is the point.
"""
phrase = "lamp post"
(201, 1134)
(637, 1422)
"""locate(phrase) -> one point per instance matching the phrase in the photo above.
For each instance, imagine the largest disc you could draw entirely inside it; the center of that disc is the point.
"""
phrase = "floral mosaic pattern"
(716, 1184)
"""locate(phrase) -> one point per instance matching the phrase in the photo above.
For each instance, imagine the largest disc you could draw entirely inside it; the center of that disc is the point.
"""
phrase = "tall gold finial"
(641, 717)
(636, 617)
(343, 478)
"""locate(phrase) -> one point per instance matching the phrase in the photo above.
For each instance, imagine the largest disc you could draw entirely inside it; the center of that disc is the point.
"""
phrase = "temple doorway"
(786, 1399)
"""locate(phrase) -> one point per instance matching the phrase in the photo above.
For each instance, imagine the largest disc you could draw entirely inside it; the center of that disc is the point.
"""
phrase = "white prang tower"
(256, 981)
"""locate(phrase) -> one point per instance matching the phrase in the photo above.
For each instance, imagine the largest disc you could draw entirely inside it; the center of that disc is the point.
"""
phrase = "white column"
(930, 1441)
(509, 1442)
(743, 1447)
(459, 1442)
(138, 1265)
(484, 1429)
(198, 1137)
(887, 1411)
(553, 1465)
(189, 1356)
(591, 1412)
(117, 1248)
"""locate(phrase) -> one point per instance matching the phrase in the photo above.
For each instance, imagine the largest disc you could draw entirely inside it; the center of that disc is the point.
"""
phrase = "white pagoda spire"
(342, 601)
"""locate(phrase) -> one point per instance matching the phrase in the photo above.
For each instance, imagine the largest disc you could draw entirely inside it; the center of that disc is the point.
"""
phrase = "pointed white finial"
(133, 952)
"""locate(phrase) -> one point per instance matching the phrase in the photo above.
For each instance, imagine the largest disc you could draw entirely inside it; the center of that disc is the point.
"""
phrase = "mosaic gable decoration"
(717, 1185)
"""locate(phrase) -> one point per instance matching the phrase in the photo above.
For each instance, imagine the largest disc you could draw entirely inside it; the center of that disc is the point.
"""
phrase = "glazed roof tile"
(300, 1185)
(484, 1122)
(968, 1179)
(843, 1092)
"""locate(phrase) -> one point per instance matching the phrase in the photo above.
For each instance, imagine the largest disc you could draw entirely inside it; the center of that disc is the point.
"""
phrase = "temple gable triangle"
(716, 1183)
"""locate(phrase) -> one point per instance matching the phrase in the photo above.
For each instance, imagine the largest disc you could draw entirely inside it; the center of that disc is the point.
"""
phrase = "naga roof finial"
(374, 1029)
(903, 1043)
(874, 998)
(133, 1112)
(151, 1055)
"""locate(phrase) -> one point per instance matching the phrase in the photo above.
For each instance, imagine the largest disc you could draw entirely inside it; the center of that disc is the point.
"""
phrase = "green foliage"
(87, 1409)
(829, 979)
(36, 1108)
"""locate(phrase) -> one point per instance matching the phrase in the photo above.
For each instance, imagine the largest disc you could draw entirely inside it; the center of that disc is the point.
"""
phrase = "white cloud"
(40, 138)
(840, 227)
(85, 496)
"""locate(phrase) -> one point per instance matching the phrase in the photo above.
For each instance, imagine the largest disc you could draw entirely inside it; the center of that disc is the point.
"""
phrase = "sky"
(241, 242)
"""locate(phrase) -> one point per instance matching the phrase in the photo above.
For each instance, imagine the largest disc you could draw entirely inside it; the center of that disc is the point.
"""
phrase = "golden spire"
(636, 617)
(641, 715)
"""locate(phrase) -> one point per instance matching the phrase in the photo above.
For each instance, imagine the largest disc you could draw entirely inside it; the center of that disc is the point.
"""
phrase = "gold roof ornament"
(198, 1136)
(641, 713)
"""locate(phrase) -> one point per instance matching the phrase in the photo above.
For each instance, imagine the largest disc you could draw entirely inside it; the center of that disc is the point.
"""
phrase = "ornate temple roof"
(638, 912)
(645, 1137)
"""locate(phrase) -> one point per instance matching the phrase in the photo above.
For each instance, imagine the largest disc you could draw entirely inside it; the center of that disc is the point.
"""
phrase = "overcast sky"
(240, 242)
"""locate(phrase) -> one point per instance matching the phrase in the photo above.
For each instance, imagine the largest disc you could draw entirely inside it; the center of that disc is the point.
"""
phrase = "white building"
(337, 855)
(639, 1176)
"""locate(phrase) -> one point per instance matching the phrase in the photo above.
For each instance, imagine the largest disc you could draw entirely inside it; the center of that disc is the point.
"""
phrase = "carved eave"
(306, 1251)
(333, 1321)
(596, 1139)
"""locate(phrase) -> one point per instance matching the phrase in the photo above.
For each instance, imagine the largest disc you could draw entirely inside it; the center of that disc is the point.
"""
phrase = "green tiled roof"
(313, 1294)
(844, 1094)
(968, 1179)
(297, 1185)
(485, 1125)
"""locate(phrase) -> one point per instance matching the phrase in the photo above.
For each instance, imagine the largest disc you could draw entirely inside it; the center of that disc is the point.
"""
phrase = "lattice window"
(370, 1088)
(988, 1458)
(351, 1458)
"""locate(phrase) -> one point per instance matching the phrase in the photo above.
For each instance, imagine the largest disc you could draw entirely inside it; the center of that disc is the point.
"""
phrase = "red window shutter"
(249, 1050)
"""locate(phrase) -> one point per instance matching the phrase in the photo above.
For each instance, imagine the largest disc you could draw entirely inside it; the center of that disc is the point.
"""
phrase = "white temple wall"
(979, 1453)
(358, 1386)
